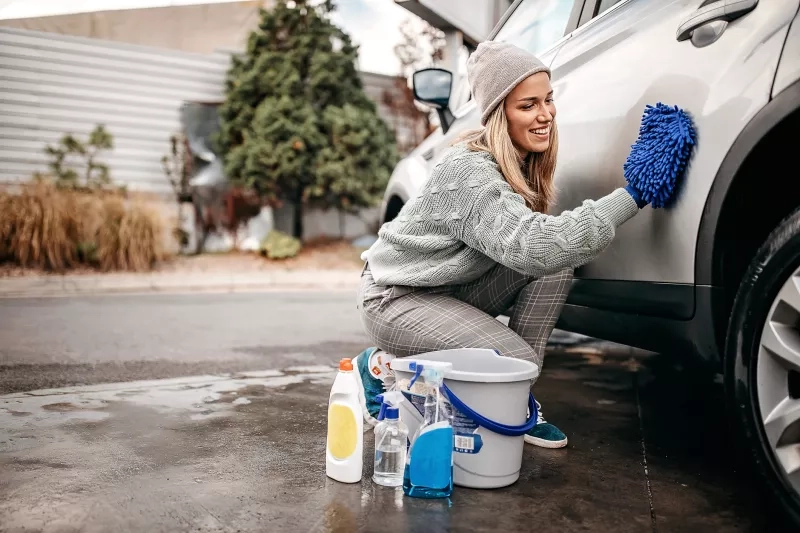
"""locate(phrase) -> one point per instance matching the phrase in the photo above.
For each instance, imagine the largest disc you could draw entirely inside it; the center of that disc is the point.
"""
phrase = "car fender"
(402, 182)
(707, 268)
(411, 172)
(789, 65)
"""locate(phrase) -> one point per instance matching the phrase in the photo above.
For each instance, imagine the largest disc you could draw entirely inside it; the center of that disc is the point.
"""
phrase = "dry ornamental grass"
(39, 227)
(56, 229)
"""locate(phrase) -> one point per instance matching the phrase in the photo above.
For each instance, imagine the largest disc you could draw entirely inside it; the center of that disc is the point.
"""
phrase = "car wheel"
(762, 374)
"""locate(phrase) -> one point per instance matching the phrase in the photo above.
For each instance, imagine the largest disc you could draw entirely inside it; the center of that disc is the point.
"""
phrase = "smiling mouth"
(541, 131)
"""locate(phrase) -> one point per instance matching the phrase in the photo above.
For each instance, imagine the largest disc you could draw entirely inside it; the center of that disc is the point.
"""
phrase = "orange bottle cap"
(346, 365)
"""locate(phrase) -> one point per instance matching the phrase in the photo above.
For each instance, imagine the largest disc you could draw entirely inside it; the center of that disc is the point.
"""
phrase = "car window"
(535, 25)
(606, 5)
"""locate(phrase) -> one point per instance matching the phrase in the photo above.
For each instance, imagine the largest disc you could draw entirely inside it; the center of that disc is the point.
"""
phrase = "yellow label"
(342, 431)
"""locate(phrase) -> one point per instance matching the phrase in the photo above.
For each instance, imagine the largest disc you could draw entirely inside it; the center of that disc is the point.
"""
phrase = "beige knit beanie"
(494, 69)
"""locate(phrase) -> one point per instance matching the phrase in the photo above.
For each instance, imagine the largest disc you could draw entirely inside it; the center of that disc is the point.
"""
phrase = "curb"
(85, 285)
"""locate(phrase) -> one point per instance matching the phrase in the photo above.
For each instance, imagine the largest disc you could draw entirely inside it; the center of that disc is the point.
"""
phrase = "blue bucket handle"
(491, 425)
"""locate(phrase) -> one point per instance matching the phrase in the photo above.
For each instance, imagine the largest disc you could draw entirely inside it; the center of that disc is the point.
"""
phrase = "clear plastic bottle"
(429, 467)
(391, 440)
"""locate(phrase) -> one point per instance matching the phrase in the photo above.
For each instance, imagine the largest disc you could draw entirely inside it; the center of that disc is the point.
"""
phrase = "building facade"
(465, 23)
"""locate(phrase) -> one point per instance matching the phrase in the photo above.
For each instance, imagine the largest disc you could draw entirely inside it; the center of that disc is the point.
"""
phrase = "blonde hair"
(532, 178)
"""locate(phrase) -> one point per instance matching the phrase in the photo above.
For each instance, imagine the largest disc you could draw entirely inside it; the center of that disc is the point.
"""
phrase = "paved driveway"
(231, 435)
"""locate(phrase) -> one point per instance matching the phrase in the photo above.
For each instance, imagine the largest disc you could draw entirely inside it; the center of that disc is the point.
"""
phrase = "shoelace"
(540, 419)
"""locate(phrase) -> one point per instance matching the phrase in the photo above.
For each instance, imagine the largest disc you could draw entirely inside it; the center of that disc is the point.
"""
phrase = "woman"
(478, 240)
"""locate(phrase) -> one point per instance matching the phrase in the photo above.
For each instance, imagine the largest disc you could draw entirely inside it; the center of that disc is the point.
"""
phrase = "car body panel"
(789, 67)
(723, 85)
(710, 265)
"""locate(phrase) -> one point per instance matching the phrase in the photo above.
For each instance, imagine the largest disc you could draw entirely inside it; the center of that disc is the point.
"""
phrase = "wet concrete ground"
(649, 451)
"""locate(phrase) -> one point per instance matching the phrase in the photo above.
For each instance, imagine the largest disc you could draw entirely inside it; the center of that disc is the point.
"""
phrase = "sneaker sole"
(369, 421)
(552, 444)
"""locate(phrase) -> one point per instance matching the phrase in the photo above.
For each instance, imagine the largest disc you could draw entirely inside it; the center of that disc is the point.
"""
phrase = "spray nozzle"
(432, 371)
(390, 401)
(434, 376)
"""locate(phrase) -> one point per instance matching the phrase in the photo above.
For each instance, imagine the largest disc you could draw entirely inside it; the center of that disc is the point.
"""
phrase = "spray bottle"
(391, 441)
(344, 456)
(429, 467)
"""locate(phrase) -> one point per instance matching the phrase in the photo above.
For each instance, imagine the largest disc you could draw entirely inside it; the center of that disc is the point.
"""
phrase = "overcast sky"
(373, 24)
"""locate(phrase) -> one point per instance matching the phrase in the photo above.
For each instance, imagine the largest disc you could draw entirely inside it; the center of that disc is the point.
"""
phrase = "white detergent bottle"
(344, 447)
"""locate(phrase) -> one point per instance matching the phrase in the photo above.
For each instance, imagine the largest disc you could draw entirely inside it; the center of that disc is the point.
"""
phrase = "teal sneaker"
(369, 385)
(544, 434)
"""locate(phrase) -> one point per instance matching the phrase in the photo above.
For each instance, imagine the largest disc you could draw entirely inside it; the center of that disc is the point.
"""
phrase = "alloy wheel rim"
(778, 365)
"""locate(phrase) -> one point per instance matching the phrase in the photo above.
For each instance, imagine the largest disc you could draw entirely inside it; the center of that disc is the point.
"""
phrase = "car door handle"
(727, 10)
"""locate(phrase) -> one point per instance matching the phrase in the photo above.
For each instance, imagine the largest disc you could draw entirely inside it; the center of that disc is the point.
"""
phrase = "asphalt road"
(53, 342)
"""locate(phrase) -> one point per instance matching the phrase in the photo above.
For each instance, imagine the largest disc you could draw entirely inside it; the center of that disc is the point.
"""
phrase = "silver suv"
(716, 277)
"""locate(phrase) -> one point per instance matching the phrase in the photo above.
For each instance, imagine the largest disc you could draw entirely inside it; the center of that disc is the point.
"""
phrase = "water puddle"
(198, 397)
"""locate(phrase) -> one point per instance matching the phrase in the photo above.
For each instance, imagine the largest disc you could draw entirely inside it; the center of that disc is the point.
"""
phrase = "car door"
(626, 56)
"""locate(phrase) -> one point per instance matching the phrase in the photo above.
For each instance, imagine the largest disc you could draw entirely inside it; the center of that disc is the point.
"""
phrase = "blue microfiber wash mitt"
(659, 157)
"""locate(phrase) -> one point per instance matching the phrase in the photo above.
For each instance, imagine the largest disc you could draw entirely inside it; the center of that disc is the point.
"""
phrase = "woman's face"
(530, 111)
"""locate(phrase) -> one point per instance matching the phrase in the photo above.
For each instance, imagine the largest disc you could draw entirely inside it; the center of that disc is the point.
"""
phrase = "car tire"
(762, 364)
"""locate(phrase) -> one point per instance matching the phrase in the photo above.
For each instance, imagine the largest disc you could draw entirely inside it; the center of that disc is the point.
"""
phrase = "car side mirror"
(433, 86)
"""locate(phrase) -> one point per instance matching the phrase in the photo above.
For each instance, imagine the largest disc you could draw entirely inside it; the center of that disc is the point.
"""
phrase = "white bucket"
(496, 388)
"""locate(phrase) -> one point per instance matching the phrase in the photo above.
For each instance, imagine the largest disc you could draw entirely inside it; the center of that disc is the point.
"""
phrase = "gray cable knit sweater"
(467, 218)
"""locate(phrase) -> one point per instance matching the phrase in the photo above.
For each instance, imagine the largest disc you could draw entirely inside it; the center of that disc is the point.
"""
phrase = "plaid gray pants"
(407, 321)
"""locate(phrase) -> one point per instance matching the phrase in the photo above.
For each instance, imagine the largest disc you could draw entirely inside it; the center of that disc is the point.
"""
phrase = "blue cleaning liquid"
(429, 471)
(425, 492)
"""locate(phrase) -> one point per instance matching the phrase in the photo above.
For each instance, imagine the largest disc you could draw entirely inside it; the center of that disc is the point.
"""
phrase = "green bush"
(296, 126)
(279, 245)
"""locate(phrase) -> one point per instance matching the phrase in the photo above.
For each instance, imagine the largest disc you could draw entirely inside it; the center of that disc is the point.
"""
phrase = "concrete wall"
(318, 223)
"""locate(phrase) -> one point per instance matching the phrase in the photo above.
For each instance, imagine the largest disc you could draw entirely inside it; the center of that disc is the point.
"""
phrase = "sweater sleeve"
(501, 226)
